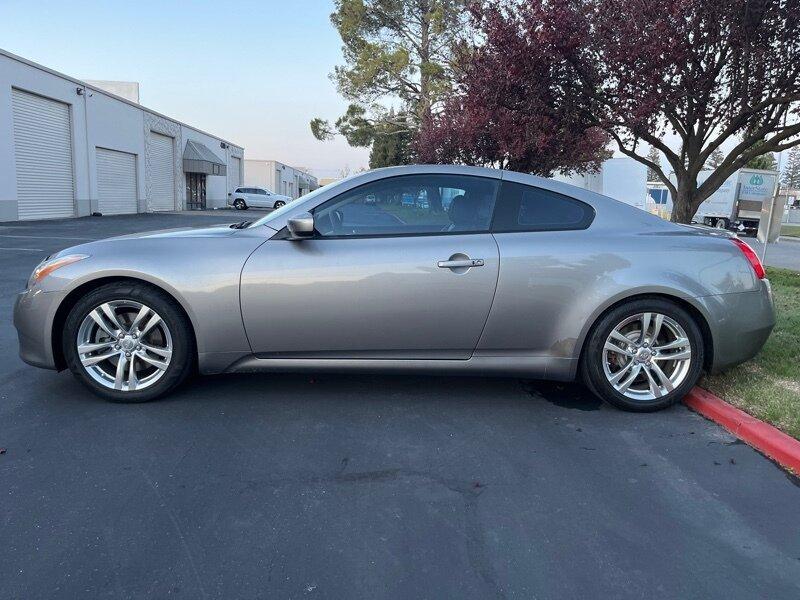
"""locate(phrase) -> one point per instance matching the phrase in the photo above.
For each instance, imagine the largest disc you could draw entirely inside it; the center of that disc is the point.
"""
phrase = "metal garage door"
(116, 182)
(234, 177)
(162, 172)
(43, 150)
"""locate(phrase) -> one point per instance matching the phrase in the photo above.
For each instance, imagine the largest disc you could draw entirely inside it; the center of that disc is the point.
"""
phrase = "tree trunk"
(682, 213)
(424, 107)
(684, 204)
(434, 199)
(687, 200)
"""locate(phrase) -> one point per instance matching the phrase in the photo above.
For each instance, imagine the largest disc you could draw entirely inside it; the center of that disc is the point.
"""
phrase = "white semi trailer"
(623, 179)
(738, 201)
(735, 205)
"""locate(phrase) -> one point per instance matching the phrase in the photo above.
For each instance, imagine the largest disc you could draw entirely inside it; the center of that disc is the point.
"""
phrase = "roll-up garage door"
(162, 172)
(234, 177)
(116, 182)
(43, 151)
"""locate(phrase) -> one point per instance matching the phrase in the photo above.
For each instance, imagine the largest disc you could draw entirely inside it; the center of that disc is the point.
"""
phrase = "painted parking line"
(24, 249)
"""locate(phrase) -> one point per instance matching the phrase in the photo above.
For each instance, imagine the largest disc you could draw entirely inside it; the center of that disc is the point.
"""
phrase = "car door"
(244, 193)
(253, 198)
(379, 279)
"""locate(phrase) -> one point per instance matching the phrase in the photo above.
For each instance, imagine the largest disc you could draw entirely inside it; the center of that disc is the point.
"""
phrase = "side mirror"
(301, 226)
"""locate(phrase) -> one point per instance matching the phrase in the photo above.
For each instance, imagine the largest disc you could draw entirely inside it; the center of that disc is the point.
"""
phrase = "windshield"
(288, 207)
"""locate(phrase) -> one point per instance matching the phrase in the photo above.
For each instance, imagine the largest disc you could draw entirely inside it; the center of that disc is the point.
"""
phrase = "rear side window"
(526, 208)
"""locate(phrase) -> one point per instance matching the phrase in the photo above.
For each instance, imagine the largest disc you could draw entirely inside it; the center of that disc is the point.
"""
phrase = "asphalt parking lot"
(261, 486)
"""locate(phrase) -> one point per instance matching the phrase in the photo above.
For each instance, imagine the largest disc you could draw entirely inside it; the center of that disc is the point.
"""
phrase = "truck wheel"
(721, 224)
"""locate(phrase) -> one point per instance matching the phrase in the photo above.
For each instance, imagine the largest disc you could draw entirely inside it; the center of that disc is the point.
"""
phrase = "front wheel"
(128, 342)
(279, 203)
(643, 355)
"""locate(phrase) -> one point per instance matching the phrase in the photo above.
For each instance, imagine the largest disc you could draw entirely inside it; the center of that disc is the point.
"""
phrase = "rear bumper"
(34, 311)
(740, 324)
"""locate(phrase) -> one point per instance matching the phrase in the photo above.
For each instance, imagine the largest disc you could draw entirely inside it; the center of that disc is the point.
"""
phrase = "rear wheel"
(644, 355)
(128, 342)
(240, 204)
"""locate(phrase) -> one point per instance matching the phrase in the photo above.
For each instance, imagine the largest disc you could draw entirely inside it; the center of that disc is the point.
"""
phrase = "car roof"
(610, 212)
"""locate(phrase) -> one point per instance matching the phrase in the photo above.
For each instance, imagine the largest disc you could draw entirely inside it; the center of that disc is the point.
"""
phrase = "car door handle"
(455, 264)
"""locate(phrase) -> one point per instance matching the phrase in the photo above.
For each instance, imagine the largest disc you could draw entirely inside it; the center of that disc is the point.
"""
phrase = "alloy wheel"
(124, 345)
(647, 356)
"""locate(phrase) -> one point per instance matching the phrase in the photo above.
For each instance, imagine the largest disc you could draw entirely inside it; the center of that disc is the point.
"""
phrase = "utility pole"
(774, 200)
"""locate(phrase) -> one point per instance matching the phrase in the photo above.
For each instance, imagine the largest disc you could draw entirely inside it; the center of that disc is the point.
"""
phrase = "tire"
(240, 204)
(599, 364)
(169, 342)
(278, 204)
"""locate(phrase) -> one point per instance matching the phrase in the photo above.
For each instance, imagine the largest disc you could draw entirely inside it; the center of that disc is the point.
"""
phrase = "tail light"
(751, 257)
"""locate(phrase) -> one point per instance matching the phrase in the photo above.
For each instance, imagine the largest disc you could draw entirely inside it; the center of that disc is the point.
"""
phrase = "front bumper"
(740, 324)
(34, 312)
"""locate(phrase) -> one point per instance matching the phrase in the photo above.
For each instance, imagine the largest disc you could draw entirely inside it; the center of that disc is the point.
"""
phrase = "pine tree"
(653, 156)
(391, 143)
(764, 162)
(791, 174)
(715, 160)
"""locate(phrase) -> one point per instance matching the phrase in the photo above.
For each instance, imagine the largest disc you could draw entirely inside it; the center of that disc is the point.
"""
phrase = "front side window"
(528, 208)
(410, 205)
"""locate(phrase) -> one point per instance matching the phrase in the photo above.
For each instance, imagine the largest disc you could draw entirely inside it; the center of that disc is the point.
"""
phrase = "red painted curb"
(763, 437)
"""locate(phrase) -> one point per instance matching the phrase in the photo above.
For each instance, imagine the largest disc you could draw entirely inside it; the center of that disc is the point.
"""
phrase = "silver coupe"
(429, 269)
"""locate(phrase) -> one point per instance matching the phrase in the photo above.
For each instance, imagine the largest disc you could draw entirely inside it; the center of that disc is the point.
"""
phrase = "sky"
(252, 72)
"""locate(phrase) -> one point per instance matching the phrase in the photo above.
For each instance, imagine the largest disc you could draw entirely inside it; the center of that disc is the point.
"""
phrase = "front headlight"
(49, 265)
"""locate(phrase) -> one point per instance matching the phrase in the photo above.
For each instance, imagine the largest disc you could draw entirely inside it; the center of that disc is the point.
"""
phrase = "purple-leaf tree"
(719, 76)
(511, 107)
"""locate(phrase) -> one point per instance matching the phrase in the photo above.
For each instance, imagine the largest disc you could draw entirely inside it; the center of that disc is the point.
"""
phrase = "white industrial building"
(69, 148)
(279, 178)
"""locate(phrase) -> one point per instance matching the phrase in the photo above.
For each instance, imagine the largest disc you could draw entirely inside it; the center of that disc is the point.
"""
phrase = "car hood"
(185, 233)
(213, 231)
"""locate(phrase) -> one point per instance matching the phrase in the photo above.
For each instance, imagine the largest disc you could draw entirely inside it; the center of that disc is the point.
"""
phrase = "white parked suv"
(243, 198)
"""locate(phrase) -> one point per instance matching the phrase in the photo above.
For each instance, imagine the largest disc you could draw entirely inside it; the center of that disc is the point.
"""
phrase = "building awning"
(197, 158)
